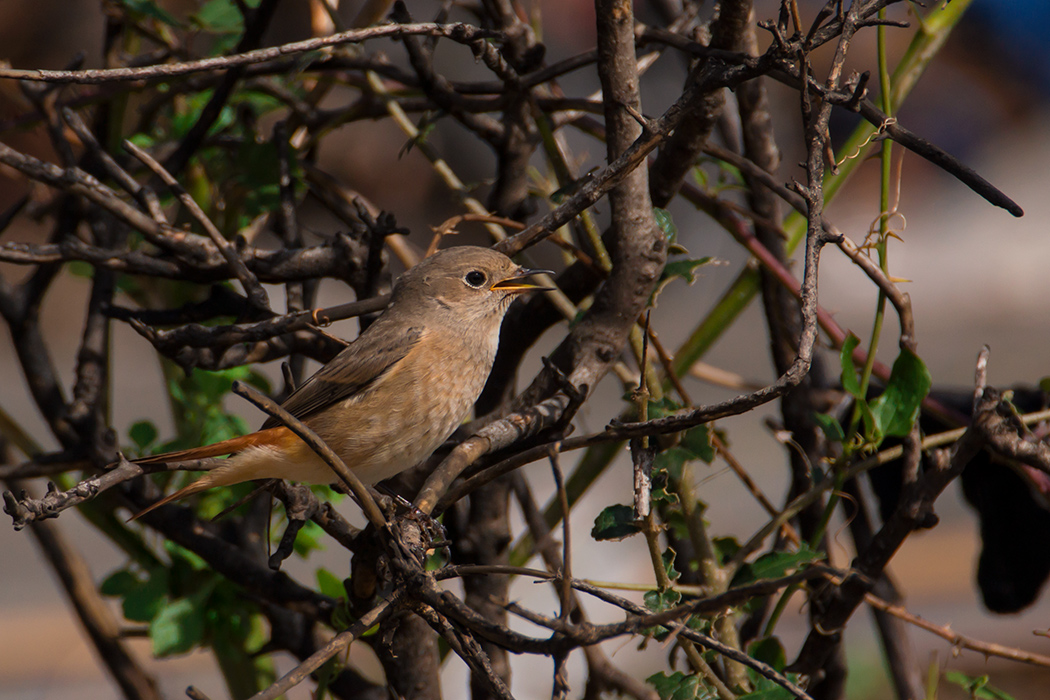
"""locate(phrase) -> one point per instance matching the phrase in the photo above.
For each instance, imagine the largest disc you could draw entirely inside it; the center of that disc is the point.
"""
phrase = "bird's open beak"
(514, 285)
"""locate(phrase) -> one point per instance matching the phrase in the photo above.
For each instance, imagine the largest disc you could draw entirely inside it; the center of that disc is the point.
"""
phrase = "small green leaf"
(679, 686)
(767, 690)
(341, 618)
(675, 519)
(729, 175)
(325, 675)
(150, 9)
(700, 178)
(144, 601)
(658, 601)
(768, 650)
(684, 269)
(178, 628)
(119, 583)
(220, 17)
(850, 381)
(664, 407)
(143, 434)
(666, 224)
(897, 409)
(668, 558)
(698, 441)
(615, 523)
(671, 461)
(725, 548)
(81, 268)
(308, 539)
(330, 584)
(775, 565)
(182, 557)
(143, 141)
(977, 687)
(833, 430)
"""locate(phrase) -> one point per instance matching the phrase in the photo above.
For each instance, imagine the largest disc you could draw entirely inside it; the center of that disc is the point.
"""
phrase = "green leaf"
(81, 268)
(615, 523)
(330, 584)
(897, 409)
(143, 434)
(729, 175)
(767, 690)
(833, 430)
(977, 687)
(668, 558)
(149, 8)
(118, 584)
(768, 650)
(775, 565)
(662, 408)
(700, 178)
(666, 224)
(143, 602)
(178, 627)
(850, 381)
(220, 17)
(725, 548)
(143, 141)
(698, 442)
(308, 539)
(671, 461)
(679, 686)
(658, 601)
(325, 675)
(182, 557)
(684, 269)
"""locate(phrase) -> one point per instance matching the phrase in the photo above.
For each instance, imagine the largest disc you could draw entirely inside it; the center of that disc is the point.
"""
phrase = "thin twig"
(256, 294)
(273, 409)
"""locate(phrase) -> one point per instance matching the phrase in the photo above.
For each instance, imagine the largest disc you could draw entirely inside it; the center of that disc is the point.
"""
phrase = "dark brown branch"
(913, 510)
(256, 294)
(198, 336)
(93, 612)
(339, 468)
(25, 509)
(457, 32)
(337, 644)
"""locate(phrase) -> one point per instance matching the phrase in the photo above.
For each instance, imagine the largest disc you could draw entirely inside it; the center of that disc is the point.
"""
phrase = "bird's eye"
(475, 278)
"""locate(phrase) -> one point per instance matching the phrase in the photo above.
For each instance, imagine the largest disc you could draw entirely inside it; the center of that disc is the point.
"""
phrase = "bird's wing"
(354, 369)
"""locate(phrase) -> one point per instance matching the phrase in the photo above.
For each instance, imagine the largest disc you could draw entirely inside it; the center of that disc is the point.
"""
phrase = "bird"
(395, 393)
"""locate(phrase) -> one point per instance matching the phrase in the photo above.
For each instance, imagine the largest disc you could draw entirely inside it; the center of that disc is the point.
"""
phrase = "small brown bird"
(393, 395)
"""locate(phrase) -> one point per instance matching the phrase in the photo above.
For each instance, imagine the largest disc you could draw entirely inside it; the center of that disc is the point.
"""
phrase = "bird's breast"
(412, 408)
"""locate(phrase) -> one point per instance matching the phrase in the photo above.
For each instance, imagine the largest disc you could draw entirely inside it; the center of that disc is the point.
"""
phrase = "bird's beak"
(514, 285)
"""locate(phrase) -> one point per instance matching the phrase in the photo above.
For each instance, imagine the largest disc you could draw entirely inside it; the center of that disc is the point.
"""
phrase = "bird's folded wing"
(350, 372)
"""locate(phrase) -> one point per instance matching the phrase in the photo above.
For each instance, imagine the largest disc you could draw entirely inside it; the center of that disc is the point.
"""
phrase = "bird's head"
(468, 282)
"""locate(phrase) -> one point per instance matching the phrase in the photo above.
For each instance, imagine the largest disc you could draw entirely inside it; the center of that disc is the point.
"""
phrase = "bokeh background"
(977, 276)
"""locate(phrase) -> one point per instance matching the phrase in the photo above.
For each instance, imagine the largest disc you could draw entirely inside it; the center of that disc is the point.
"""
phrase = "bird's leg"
(431, 533)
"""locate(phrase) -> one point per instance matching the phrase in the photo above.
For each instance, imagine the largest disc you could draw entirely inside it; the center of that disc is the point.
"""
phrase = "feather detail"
(270, 436)
(232, 472)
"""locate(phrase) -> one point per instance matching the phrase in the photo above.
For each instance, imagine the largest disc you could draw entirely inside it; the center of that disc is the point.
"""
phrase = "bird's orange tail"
(271, 436)
(195, 487)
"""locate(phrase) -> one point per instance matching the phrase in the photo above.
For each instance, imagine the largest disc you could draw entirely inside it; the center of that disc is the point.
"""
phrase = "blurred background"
(977, 276)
